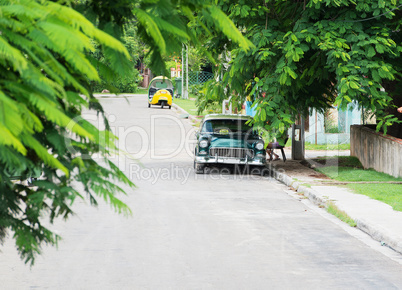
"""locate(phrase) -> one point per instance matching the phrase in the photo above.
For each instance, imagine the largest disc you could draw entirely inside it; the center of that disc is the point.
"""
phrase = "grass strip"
(350, 170)
(309, 146)
(323, 147)
(390, 194)
(340, 214)
(187, 105)
(141, 91)
(342, 173)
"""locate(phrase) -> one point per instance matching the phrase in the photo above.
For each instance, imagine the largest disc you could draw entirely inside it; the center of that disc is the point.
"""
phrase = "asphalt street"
(220, 230)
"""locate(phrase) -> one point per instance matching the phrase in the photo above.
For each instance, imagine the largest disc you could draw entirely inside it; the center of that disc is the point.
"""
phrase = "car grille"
(232, 152)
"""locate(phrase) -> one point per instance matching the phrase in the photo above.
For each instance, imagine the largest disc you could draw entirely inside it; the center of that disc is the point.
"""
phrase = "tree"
(166, 25)
(312, 54)
(118, 84)
(46, 70)
(43, 89)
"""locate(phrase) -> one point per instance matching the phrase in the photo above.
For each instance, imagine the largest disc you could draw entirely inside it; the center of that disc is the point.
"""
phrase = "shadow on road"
(228, 169)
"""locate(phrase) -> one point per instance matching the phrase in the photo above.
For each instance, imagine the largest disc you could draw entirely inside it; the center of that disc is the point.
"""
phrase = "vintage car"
(160, 92)
(227, 139)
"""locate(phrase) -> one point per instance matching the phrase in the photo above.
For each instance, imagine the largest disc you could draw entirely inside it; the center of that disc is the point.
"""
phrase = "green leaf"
(283, 78)
(12, 55)
(151, 27)
(347, 98)
(290, 72)
(379, 125)
(43, 153)
(295, 57)
(354, 85)
(263, 115)
(371, 52)
(379, 48)
(166, 26)
(223, 23)
(8, 139)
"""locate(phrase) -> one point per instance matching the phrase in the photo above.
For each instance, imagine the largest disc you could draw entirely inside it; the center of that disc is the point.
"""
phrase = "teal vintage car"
(227, 139)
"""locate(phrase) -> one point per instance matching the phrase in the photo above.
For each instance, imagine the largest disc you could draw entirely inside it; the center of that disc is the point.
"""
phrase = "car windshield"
(161, 84)
(225, 126)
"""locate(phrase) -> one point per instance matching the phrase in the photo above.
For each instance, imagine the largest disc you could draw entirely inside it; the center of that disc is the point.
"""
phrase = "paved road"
(215, 231)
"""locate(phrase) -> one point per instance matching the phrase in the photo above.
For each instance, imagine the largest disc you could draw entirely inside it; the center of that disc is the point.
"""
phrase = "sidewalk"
(373, 217)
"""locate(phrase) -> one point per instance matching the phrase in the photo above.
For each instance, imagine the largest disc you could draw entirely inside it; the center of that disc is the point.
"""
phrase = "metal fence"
(199, 77)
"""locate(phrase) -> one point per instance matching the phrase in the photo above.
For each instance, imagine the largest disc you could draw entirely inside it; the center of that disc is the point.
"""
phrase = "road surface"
(221, 230)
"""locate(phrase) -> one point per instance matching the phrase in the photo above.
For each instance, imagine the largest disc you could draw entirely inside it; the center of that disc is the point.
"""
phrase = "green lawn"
(350, 170)
(187, 105)
(344, 161)
(309, 146)
(390, 194)
(355, 174)
(141, 91)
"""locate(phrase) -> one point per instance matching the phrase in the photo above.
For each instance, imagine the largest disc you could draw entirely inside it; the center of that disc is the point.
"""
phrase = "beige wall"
(374, 150)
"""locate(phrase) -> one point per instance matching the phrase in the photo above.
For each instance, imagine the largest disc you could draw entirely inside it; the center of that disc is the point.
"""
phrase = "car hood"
(229, 142)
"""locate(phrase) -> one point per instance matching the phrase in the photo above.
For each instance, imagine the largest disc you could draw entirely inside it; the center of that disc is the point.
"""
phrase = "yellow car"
(160, 92)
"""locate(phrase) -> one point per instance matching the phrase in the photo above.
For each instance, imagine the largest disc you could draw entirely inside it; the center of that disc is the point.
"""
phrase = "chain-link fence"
(199, 77)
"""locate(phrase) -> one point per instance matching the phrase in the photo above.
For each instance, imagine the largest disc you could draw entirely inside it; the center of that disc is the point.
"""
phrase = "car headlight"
(259, 146)
(203, 143)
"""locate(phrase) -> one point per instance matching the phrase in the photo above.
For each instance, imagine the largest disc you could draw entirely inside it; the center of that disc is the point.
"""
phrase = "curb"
(190, 117)
(112, 95)
(376, 233)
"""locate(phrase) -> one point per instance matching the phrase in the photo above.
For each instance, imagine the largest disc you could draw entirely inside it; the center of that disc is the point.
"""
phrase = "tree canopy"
(46, 68)
(312, 54)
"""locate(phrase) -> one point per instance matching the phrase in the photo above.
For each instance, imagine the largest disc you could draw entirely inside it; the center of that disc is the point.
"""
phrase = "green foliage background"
(120, 84)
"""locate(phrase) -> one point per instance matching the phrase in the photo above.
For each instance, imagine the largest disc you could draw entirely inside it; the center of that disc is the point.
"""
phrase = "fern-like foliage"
(44, 75)
(165, 24)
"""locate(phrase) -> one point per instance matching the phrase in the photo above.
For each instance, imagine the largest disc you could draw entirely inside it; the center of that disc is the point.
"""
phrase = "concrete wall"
(374, 150)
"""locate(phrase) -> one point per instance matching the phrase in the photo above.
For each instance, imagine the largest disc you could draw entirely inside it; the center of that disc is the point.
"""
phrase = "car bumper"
(157, 99)
(215, 159)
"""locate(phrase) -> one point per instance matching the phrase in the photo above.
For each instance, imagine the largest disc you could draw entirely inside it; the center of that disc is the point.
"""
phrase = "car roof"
(162, 79)
(226, 116)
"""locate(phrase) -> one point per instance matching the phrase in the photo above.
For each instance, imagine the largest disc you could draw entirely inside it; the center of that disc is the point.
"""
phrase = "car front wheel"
(199, 168)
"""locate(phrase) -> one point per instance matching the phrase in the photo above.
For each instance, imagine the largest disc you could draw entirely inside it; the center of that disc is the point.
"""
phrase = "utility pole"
(298, 139)
(184, 83)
